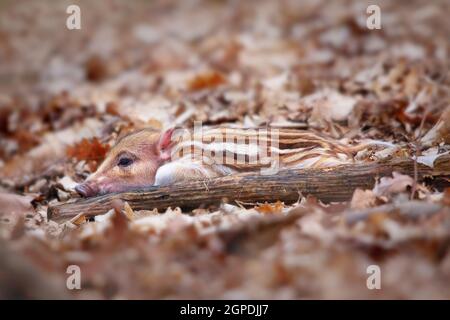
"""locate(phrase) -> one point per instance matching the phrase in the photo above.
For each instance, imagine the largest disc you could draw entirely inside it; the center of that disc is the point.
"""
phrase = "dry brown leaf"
(128, 211)
(440, 132)
(78, 219)
(328, 106)
(119, 222)
(96, 68)
(363, 199)
(91, 151)
(397, 184)
(206, 80)
(26, 140)
(112, 108)
(154, 123)
(375, 223)
(270, 208)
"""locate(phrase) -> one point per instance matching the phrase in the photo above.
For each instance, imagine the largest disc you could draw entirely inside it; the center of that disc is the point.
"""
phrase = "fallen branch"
(328, 185)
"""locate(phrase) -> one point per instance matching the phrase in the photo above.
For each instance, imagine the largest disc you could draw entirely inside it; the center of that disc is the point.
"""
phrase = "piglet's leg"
(184, 170)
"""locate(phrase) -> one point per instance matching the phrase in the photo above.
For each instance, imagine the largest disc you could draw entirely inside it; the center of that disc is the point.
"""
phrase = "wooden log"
(328, 185)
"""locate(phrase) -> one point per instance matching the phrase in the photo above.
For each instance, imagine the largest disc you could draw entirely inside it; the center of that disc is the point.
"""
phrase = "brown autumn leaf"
(206, 80)
(328, 105)
(397, 184)
(119, 222)
(92, 151)
(440, 132)
(112, 108)
(270, 208)
(96, 68)
(154, 123)
(79, 219)
(26, 140)
(375, 223)
(128, 211)
(362, 199)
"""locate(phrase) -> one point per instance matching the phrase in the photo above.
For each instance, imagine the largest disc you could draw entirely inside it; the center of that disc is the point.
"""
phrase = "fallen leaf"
(128, 211)
(78, 219)
(269, 208)
(430, 157)
(91, 151)
(206, 80)
(440, 132)
(362, 199)
(328, 105)
(67, 183)
(96, 68)
(397, 184)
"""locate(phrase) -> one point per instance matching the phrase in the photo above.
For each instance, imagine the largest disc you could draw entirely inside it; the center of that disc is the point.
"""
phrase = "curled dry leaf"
(270, 208)
(328, 105)
(128, 211)
(92, 151)
(363, 199)
(430, 156)
(119, 223)
(79, 219)
(96, 68)
(440, 133)
(206, 80)
(67, 183)
(397, 184)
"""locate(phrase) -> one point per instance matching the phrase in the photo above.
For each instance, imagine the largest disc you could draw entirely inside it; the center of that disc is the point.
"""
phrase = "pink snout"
(87, 189)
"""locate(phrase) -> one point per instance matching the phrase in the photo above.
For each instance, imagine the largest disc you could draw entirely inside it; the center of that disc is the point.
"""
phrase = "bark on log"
(328, 185)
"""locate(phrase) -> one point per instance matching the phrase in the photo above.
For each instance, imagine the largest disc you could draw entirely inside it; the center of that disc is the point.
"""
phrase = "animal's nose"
(84, 190)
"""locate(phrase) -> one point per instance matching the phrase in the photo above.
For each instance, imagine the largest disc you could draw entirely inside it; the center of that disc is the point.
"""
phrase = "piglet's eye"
(125, 162)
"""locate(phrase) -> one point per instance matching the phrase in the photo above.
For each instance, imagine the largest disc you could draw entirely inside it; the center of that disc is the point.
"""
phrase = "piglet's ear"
(165, 143)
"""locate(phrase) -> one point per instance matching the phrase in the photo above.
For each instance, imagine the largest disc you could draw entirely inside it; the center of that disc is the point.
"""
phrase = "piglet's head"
(131, 164)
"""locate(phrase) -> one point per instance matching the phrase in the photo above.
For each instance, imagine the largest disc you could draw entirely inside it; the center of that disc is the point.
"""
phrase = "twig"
(416, 153)
(330, 185)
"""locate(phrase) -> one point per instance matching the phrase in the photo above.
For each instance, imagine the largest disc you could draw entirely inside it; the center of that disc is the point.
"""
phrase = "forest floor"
(65, 96)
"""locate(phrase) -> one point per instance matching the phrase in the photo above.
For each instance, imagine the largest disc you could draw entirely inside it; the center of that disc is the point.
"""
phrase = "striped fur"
(181, 155)
(253, 149)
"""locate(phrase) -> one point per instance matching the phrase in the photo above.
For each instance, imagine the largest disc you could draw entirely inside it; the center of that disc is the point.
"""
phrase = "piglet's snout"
(86, 189)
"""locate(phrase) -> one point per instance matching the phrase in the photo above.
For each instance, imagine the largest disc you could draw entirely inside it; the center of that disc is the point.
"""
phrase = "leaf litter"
(296, 64)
